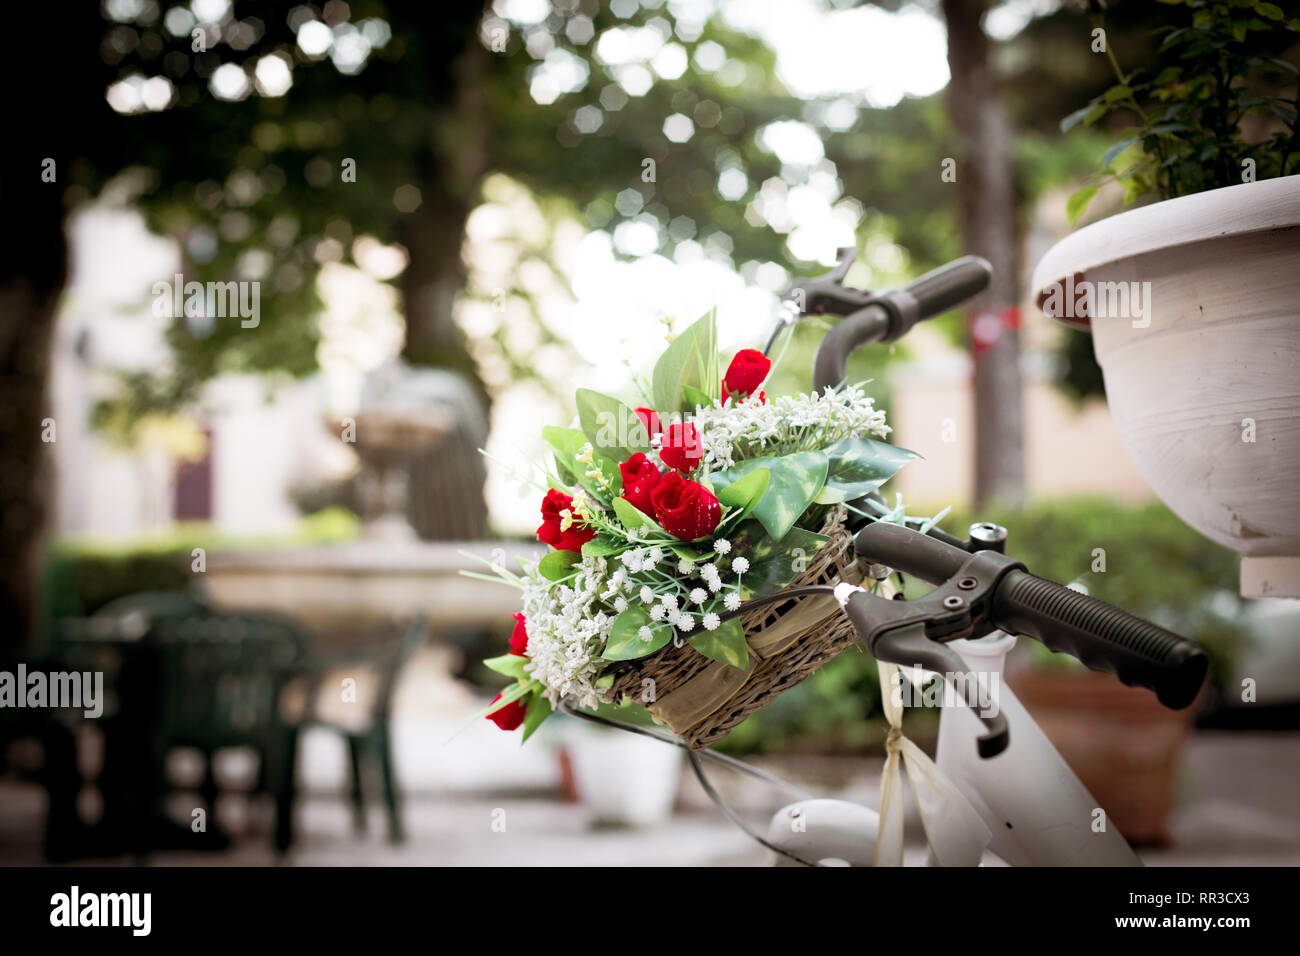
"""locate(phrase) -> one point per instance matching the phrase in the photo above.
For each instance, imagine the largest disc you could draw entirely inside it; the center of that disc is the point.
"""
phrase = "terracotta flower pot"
(1123, 744)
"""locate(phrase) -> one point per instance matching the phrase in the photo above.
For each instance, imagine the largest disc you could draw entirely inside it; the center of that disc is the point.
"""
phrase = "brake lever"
(914, 633)
(828, 293)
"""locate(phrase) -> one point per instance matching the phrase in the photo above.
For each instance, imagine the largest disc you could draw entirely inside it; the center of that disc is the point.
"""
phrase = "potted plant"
(1193, 301)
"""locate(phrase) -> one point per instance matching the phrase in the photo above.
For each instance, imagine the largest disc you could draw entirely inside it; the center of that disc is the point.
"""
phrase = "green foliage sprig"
(1217, 74)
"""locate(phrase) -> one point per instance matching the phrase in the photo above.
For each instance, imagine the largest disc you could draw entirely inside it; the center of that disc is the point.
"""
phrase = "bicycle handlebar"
(1104, 638)
(889, 316)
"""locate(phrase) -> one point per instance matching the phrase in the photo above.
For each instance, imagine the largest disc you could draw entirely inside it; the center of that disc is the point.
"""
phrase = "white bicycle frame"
(1037, 810)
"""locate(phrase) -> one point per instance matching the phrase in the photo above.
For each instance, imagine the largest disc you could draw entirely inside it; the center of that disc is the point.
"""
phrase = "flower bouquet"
(665, 519)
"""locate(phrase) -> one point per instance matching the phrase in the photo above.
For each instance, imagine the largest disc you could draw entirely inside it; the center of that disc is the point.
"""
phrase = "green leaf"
(683, 363)
(744, 493)
(557, 565)
(795, 481)
(1077, 203)
(602, 546)
(696, 397)
(631, 516)
(1116, 93)
(773, 564)
(1109, 156)
(1270, 10)
(567, 443)
(612, 428)
(625, 643)
(539, 708)
(511, 665)
(726, 644)
(858, 466)
(1076, 117)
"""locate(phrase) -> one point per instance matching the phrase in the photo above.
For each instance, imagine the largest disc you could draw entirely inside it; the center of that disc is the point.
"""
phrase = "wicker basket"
(701, 700)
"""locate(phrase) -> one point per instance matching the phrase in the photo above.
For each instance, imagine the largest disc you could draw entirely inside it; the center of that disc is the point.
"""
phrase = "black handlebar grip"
(910, 551)
(950, 285)
(1139, 653)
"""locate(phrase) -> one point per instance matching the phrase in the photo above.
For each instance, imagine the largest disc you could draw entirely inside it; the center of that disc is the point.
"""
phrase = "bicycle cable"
(698, 768)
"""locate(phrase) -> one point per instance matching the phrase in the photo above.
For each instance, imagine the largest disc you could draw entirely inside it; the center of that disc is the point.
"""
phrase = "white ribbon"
(954, 830)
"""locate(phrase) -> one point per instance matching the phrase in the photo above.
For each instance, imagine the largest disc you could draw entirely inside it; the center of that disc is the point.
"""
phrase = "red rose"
(650, 419)
(745, 373)
(510, 716)
(682, 448)
(684, 508)
(519, 639)
(562, 540)
(639, 479)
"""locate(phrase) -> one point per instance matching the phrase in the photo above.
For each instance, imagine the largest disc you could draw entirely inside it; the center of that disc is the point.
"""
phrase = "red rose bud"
(650, 419)
(510, 716)
(682, 448)
(684, 508)
(639, 479)
(519, 639)
(746, 372)
(568, 539)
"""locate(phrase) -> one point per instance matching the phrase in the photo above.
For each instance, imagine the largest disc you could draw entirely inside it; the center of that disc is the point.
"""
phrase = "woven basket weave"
(701, 700)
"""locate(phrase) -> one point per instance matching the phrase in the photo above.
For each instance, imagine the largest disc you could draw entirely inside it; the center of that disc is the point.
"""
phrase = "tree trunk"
(447, 484)
(987, 202)
(31, 276)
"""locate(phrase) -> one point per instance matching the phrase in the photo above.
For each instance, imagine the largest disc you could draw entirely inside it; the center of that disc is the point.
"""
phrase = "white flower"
(732, 601)
(745, 430)
(656, 555)
(709, 570)
(670, 600)
(699, 595)
(685, 566)
(722, 546)
(645, 633)
(646, 594)
(740, 565)
(715, 584)
(657, 612)
(620, 604)
(685, 622)
(712, 622)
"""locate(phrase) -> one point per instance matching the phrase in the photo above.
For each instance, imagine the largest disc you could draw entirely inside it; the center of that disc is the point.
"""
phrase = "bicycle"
(1036, 810)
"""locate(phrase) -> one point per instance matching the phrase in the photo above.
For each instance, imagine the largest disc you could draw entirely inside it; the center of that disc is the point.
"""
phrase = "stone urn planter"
(1194, 308)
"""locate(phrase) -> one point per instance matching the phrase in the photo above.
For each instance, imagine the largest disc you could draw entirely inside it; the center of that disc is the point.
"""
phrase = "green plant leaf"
(773, 564)
(858, 466)
(602, 546)
(625, 643)
(557, 565)
(744, 493)
(1078, 203)
(795, 481)
(633, 517)
(566, 444)
(612, 428)
(539, 708)
(726, 644)
(684, 363)
(696, 397)
(511, 665)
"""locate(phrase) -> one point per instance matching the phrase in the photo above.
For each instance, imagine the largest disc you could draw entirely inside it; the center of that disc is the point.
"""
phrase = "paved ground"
(1237, 806)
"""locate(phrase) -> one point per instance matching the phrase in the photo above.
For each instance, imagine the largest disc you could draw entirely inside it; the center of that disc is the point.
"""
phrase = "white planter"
(625, 779)
(1203, 371)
